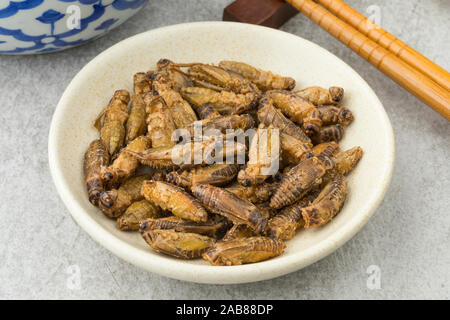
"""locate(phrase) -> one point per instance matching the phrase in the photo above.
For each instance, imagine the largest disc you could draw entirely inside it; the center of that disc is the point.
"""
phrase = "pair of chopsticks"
(414, 72)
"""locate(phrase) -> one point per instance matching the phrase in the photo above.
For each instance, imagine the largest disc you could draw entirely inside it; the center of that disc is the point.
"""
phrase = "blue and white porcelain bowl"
(38, 26)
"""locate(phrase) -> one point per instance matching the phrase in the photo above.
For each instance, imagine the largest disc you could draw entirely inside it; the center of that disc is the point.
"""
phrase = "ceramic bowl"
(209, 42)
(38, 26)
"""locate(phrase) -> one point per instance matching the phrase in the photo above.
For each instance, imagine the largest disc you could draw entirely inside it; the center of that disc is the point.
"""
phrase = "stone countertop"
(407, 240)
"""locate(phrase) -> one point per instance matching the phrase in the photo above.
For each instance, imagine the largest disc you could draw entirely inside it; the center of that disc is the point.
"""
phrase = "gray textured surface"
(408, 238)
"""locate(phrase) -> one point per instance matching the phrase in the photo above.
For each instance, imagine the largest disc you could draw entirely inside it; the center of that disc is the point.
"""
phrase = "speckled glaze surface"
(71, 132)
(39, 26)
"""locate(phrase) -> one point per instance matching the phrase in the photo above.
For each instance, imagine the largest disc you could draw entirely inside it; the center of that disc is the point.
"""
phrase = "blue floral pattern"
(15, 7)
(100, 16)
(107, 24)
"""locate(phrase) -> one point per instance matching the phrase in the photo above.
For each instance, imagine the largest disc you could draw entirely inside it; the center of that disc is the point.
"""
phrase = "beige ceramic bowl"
(72, 131)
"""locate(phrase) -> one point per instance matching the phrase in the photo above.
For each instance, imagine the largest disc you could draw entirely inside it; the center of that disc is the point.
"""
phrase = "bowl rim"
(206, 273)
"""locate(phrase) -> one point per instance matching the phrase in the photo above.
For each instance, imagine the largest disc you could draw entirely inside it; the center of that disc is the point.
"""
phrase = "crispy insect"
(225, 102)
(269, 115)
(243, 250)
(114, 202)
(207, 111)
(215, 227)
(263, 157)
(325, 152)
(290, 219)
(142, 84)
(163, 157)
(160, 122)
(136, 124)
(137, 212)
(187, 155)
(174, 199)
(335, 115)
(95, 158)
(344, 163)
(156, 158)
(239, 231)
(264, 80)
(222, 123)
(125, 165)
(327, 149)
(182, 112)
(327, 204)
(169, 77)
(332, 132)
(216, 78)
(112, 132)
(227, 204)
(181, 245)
(319, 96)
(297, 109)
(347, 160)
(298, 181)
(180, 109)
(255, 193)
(292, 149)
(216, 174)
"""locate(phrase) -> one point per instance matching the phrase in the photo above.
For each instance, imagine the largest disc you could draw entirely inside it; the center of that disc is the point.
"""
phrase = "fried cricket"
(160, 122)
(95, 158)
(215, 227)
(138, 211)
(216, 78)
(243, 250)
(255, 193)
(136, 125)
(344, 163)
(263, 157)
(180, 245)
(216, 174)
(225, 102)
(327, 204)
(227, 204)
(222, 124)
(167, 76)
(320, 96)
(175, 199)
(264, 80)
(190, 154)
(332, 132)
(283, 225)
(114, 202)
(181, 111)
(298, 181)
(347, 160)
(269, 115)
(292, 149)
(297, 109)
(126, 164)
(327, 149)
(335, 115)
(112, 131)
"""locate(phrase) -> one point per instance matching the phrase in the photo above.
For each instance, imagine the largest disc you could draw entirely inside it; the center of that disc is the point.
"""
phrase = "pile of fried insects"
(229, 214)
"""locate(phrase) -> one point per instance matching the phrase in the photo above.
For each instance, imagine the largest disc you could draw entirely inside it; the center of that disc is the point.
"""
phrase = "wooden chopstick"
(387, 41)
(401, 72)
